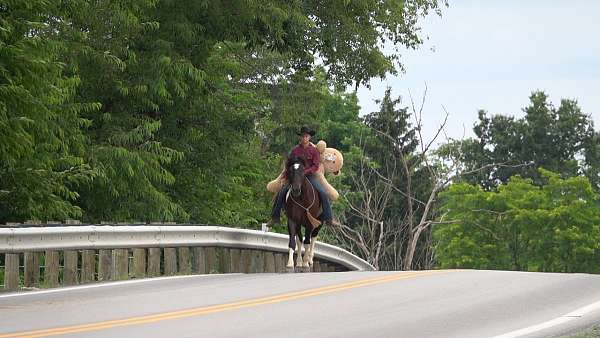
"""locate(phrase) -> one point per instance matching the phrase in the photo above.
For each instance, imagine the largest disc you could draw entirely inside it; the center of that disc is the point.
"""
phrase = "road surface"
(454, 303)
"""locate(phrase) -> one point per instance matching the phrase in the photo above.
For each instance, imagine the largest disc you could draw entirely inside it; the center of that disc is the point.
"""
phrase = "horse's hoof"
(290, 270)
(305, 265)
(304, 269)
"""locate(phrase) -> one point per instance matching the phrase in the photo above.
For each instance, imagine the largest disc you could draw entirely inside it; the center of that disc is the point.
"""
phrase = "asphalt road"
(344, 304)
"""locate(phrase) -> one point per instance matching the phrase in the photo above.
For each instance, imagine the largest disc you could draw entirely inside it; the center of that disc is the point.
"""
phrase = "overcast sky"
(492, 54)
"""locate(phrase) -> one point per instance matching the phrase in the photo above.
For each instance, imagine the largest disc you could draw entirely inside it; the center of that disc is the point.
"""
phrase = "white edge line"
(556, 321)
(107, 284)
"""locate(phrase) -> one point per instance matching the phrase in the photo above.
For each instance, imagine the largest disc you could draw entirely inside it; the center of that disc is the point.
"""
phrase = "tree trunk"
(411, 247)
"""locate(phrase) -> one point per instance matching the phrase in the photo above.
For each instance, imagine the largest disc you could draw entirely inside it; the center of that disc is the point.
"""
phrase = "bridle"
(313, 197)
(311, 218)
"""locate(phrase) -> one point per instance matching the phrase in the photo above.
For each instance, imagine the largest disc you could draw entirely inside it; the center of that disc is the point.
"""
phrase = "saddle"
(332, 161)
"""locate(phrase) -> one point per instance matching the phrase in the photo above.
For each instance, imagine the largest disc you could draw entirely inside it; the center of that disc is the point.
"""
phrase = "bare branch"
(491, 165)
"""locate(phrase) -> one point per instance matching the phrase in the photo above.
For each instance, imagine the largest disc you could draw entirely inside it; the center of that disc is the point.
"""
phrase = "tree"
(558, 139)
(168, 104)
(393, 186)
(41, 124)
(522, 226)
(346, 36)
(135, 76)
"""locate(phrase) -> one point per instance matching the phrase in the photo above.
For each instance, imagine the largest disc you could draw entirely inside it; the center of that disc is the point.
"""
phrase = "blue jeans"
(325, 203)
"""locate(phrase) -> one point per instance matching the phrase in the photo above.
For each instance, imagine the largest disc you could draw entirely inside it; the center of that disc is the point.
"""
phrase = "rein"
(311, 218)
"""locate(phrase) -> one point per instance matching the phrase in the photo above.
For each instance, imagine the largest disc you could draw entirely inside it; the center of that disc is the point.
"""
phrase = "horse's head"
(295, 174)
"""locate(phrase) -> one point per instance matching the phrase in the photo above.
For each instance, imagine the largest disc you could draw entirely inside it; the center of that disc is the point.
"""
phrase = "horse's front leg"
(299, 261)
(292, 244)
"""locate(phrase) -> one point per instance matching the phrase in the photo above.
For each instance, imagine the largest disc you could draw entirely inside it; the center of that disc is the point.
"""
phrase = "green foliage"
(41, 125)
(345, 35)
(136, 78)
(593, 332)
(559, 139)
(162, 110)
(522, 226)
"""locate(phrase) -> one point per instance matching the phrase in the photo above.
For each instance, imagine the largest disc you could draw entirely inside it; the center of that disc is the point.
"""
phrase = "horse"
(302, 205)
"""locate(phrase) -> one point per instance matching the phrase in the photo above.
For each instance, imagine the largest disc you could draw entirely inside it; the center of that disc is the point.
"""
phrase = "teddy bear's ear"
(321, 145)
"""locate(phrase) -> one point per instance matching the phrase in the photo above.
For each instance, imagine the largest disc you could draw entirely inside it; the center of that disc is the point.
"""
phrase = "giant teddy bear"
(331, 163)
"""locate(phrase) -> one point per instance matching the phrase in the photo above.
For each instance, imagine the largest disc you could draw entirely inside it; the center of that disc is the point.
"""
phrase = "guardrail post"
(120, 264)
(88, 266)
(329, 267)
(323, 266)
(51, 268)
(269, 262)
(11, 271)
(154, 262)
(70, 267)
(104, 265)
(198, 260)
(170, 261)
(316, 266)
(245, 260)
(257, 262)
(139, 262)
(279, 262)
(224, 256)
(234, 260)
(211, 260)
(184, 260)
(32, 269)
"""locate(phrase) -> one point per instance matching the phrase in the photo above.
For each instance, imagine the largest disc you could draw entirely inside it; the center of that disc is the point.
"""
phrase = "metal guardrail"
(15, 240)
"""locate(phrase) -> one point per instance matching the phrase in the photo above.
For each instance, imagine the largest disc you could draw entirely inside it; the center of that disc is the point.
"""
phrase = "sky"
(491, 55)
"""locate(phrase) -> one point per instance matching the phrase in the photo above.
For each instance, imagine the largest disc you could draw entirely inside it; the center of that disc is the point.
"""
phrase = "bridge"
(75, 254)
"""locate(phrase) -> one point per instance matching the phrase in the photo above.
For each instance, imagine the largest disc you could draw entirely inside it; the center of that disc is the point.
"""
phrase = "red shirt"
(311, 156)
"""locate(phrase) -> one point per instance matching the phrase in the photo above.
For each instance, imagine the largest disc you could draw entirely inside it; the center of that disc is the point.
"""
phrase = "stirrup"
(273, 221)
(332, 222)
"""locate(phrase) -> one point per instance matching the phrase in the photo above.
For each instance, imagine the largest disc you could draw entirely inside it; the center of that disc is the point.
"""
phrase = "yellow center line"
(217, 308)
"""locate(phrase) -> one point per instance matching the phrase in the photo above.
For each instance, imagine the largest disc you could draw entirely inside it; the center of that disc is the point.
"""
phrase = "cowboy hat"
(306, 130)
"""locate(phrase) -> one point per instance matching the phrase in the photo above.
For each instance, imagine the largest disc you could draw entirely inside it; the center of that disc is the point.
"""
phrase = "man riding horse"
(312, 158)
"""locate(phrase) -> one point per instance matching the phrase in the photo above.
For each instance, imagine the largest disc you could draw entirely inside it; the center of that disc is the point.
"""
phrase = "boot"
(273, 221)
(333, 222)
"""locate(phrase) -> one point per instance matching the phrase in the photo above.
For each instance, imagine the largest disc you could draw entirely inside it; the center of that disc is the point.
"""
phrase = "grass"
(590, 333)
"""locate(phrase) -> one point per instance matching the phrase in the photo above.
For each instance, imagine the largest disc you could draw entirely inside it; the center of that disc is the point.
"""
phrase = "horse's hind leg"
(313, 240)
(307, 247)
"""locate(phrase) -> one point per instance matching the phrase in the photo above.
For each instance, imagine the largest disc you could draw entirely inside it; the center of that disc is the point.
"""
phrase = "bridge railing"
(52, 255)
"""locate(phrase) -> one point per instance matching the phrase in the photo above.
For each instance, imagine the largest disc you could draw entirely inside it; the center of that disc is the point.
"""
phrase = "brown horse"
(302, 206)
